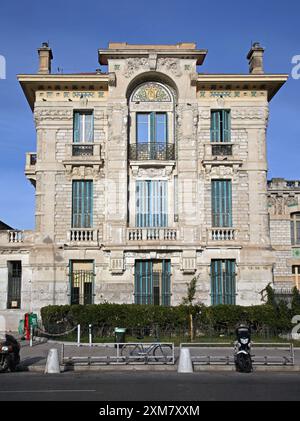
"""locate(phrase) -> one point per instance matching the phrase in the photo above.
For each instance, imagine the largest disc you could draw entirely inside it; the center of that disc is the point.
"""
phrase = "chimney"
(45, 57)
(256, 59)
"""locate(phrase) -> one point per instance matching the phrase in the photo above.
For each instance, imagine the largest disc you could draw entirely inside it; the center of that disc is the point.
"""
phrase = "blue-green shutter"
(221, 202)
(223, 282)
(226, 126)
(76, 127)
(89, 127)
(143, 282)
(220, 126)
(215, 126)
(166, 283)
(151, 203)
(82, 204)
(143, 288)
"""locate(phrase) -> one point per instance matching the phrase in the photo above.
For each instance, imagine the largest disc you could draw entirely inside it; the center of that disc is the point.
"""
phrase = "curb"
(158, 368)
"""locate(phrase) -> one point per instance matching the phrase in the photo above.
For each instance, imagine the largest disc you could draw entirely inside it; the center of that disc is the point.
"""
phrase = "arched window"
(151, 108)
(295, 228)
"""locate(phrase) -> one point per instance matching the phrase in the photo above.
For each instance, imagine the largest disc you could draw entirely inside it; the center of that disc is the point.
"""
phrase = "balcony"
(222, 234)
(152, 151)
(221, 149)
(152, 234)
(82, 150)
(30, 167)
(16, 237)
(83, 154)
(83, 237)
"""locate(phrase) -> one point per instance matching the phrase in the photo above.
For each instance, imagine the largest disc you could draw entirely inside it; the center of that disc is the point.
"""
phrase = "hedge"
(169, 320)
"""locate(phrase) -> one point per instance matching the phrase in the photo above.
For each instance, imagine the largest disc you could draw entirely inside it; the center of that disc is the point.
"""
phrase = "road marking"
(47, 391)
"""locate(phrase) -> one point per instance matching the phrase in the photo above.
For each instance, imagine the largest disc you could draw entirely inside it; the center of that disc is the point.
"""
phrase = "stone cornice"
(269, 82)
(32, 83)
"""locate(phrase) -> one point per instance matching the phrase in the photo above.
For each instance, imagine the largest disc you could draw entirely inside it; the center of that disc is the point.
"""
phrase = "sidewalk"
(34, 358)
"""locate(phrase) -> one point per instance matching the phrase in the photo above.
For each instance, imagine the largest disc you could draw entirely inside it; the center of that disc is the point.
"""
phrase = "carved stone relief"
(278, 204)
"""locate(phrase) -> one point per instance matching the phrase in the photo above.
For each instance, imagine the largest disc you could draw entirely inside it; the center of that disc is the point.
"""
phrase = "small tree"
(188, 301)
(295, 301)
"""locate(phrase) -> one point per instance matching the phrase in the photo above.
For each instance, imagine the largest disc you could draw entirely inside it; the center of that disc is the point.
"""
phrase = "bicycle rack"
(111, 354)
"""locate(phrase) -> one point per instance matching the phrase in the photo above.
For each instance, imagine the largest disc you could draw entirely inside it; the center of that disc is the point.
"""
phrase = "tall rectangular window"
(295, 228)
(220, 126)
(221, 203)
(83, 127)
(151, 203)
(14, 284)
(223, 282)
(151, 127)
(152, 282)
(82, 204)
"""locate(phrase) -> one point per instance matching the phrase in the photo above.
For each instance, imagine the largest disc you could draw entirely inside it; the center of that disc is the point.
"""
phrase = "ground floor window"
(14, 284)
(223, 282)
(296, 273)
(82, 281)
(152, 282)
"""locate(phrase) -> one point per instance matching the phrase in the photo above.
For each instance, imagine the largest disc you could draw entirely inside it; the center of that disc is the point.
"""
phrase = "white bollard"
(90, 335)
(52, 364)
(185, 363)
(78, 335)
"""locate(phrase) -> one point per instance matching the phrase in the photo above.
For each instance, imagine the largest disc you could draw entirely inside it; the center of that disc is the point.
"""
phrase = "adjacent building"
(146, 174)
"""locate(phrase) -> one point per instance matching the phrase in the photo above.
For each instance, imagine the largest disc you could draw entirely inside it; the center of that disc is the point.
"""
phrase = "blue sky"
(77, 29)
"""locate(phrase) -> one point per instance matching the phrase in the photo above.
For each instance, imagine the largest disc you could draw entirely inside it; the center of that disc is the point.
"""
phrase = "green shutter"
(215, 126)
(226, 126)
(166, 283)
(221, 203)
(223, 282)
(89, 127)
(82, 204)
(151, 203)
(76, 127)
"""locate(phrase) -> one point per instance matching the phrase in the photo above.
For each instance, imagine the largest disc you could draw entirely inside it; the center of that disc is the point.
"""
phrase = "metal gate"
(14, 284)
(82, 282)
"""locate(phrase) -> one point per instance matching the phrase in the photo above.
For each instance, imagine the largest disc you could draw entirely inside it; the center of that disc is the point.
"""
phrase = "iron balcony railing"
(221, 150)
(152, 151)
(83, 150)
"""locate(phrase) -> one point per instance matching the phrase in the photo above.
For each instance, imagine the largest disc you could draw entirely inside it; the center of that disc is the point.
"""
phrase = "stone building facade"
(284, 211)
(145, 175)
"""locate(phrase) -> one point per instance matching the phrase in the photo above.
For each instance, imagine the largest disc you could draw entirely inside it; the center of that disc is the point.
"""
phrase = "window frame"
(221, 279)
(82, 138)
(221, 204)
(87, 203)
(220, 134)
(152, 129)
(295, 223)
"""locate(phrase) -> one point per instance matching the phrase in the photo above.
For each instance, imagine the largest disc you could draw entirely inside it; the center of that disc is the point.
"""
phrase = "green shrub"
(220, 319)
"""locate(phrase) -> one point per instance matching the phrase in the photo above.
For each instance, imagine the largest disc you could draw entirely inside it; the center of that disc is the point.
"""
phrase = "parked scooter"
(9, 353)
(242, 357)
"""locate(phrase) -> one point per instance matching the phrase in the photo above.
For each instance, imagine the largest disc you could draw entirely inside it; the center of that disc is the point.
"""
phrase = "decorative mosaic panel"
(151, 92)
(296, 252)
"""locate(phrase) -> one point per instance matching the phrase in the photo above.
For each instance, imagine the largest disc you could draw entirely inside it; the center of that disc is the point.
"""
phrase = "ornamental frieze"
(278, 204)
(50, 114)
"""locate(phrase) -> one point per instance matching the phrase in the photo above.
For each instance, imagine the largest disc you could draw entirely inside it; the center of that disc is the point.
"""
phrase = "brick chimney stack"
(45, 57)
(256, 59)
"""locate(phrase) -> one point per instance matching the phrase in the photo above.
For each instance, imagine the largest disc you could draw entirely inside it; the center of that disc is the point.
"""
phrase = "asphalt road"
(145, 386)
